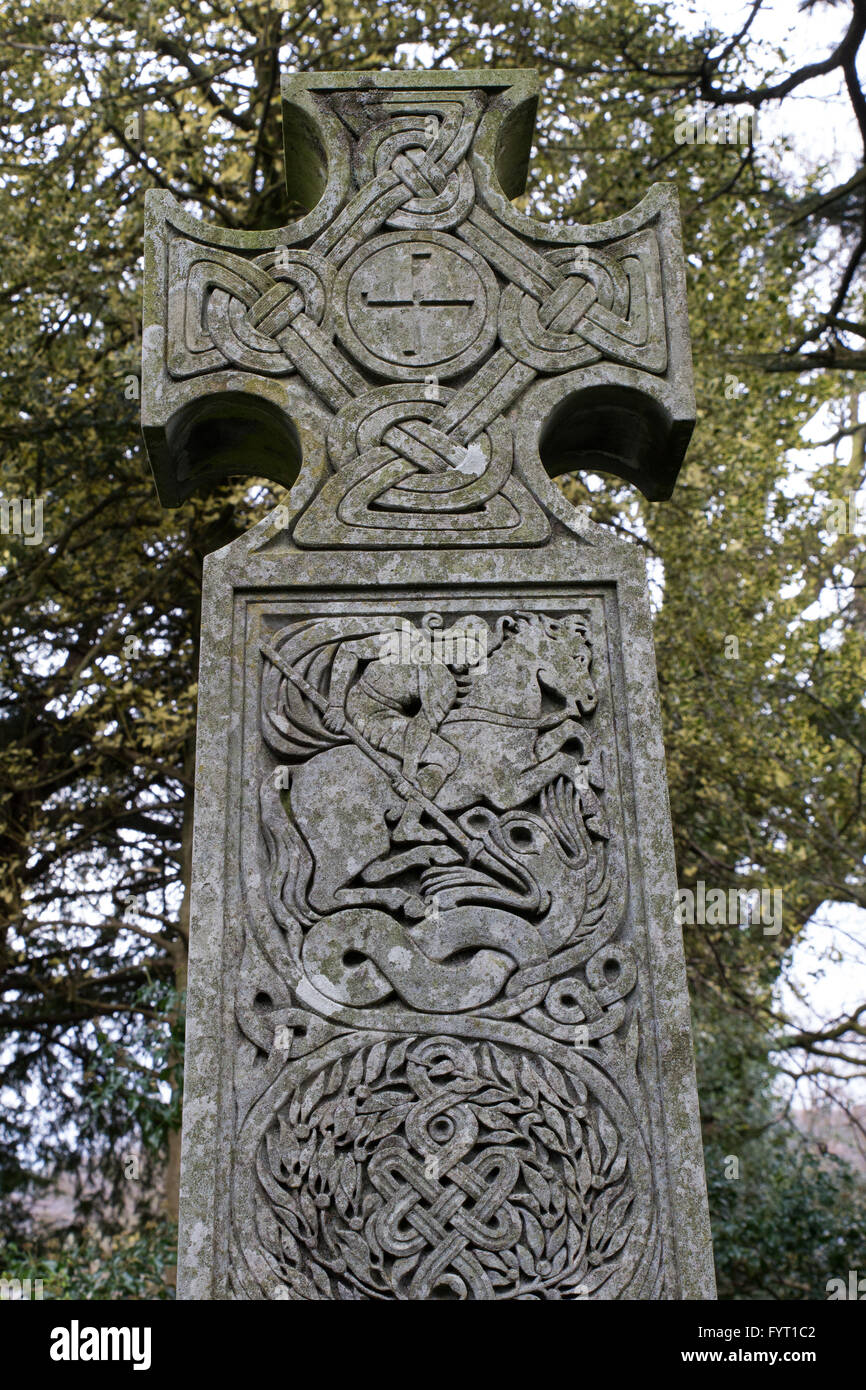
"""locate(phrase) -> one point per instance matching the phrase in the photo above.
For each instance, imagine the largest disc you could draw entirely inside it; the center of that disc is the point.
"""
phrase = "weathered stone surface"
(438, 1039)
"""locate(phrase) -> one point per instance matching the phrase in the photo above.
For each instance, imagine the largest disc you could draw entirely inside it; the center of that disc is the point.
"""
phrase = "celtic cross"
(411, 270)
(438, 1038)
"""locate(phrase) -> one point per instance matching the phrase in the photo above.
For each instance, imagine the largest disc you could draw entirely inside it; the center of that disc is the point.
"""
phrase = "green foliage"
(148, 1091)
(136, 1264)
(784, 1218)
(788, 1224)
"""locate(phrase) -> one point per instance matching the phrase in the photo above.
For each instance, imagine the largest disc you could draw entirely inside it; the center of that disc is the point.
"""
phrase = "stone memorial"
(438, 1042)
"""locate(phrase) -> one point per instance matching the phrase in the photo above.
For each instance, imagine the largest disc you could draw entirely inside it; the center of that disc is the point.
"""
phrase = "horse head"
(564, 654)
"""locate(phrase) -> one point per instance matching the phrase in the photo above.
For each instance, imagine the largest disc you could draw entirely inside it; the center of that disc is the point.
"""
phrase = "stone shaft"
(438, 1042)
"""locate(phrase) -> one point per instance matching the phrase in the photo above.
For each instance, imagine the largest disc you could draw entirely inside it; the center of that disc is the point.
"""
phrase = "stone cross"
(438, 1041)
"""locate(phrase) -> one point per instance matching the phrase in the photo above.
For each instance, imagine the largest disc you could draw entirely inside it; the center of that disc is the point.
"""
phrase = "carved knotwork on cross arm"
(444, 344)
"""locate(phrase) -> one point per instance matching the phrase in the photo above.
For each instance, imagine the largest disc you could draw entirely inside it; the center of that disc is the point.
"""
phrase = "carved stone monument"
(438, 1041)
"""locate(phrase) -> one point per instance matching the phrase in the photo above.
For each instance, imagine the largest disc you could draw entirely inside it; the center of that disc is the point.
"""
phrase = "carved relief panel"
(439, 1068)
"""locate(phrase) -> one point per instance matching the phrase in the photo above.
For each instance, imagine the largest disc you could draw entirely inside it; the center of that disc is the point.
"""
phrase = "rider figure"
(397, 705)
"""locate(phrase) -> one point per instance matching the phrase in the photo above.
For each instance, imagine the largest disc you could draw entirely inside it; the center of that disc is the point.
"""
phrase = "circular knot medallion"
(439, 1168)
(416, 304)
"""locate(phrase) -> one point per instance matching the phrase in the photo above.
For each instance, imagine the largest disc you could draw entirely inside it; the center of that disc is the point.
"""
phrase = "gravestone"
(438, 1041)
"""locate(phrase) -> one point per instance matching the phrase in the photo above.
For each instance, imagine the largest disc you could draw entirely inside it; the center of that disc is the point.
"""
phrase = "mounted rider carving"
(399, 701)
(388, 723)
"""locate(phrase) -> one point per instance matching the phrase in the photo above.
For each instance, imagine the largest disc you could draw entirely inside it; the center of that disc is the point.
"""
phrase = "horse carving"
(389, 750)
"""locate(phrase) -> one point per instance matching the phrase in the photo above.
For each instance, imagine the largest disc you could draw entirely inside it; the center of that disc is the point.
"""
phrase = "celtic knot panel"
(417, 284)
(437, 1169)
